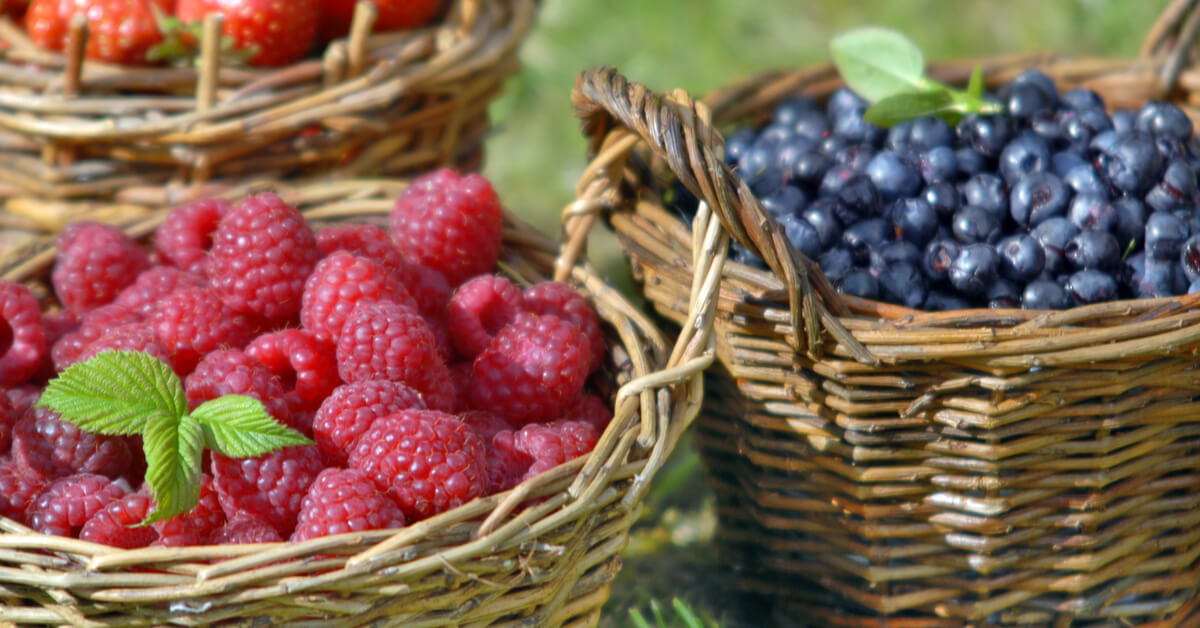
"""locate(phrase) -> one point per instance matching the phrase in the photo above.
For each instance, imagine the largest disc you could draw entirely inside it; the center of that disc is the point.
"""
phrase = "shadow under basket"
(881, 466)
(541, 554)
(83, 139)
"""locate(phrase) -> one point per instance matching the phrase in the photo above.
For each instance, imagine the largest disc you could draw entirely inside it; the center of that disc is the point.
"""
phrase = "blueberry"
(738, 143)
(1081, 125)
(986, 191)
(831, 144)
(1150, 278)
(791, 150)
(1082, 98)
(914, 220)
(855, 156)
(1165, 234)
(1189, 258)
(986, 134)
(788, 110)
(894, 253)
(899, 136)
(1003, 294)
(937, 258)
(743, 255)
(834, 179)
(801, 234)
(1093, 249)
(1103, 142)
(1129, 224)
(1035, 78)
(1063, 161)
(864, 236)
(1036, 198)
(1091, 286)
(860, 197)
(1088, 211)
(1044, 294)
(785, 200)
(1025, 101)
(1084, 179)
(860, 283)
(822, 215)
(1021, 257)
(808, 168)
(1190, 217)
(851, 126)
(1132, 164)
(893, 176)
(939, 301)
(844, 100)
(836, 263)
(903, 284)
(974, 224)
(1053, 234)
(937, 164)
(682, 201)
(1163, 119)
(928, 132)
(1047, 125)
(1123, 120)
(943, 197)
(970, 161)
(766, 181)
(974, 270)
(1177, 188)
(811, 124)
(1023, 156)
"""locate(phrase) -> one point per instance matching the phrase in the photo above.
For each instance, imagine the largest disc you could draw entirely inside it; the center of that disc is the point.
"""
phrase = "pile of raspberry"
(425, 379)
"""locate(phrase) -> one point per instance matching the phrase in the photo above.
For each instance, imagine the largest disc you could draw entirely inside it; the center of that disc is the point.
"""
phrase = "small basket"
(543, 553)
(880, 466)
(85, 139)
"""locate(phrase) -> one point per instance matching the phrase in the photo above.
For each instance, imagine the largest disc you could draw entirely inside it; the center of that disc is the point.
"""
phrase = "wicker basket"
(504, 560)
(93, 140)
(879, 466)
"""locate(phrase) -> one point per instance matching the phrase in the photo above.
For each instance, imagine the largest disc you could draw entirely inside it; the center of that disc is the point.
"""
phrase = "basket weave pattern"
(543, 553)
(879, 466)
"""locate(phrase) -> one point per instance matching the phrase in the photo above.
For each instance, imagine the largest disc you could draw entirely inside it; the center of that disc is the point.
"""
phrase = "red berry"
(480, 307)
(590, 409)
(336, 15)
(338, 283)
(502, 471)
(531, 370)
(506, 463)
(271, 486)
(184, 238)
(152, 285)
(116, 523)
(428, 289)
(262, 252)
(49, 447)
(553, 444)
(345, 500)
(428, 461)
(366, 240)
(351, 408)
(22, 398)
(18, 489)
(234, 372)
(195, 322)
(561, 300)
(68, 503)
(383, 340)
(119, 31)
(306, 366)
(95, 262)
(243, 527)
(22, 334)
(8, 419)
(450, 223)
(196, 526)
(68, 349)
(280, 32)
(128, 337)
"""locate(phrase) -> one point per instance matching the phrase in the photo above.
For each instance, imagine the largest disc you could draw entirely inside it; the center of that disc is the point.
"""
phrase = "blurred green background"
(536, 154)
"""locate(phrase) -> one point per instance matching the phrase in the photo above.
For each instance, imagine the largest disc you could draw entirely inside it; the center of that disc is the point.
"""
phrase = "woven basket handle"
(675, 128)
(1172, 38)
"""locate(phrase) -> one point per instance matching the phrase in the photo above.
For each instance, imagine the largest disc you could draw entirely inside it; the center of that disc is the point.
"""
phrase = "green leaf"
(878, 62)
(173, 447)
(116, 393)
(975, 83)
(686, 614)
(240, 427)
(908, 105)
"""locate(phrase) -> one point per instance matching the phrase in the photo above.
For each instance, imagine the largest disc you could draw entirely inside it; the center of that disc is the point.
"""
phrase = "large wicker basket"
(541, 554)
(84, 139)
(879, 466)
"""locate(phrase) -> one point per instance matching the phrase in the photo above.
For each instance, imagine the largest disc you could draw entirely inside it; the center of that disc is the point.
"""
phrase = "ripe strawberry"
(279, 31)
(336, 15)
(119, 31)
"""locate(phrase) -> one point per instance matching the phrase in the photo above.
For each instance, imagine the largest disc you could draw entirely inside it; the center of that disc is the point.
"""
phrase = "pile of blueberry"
(1051, 204)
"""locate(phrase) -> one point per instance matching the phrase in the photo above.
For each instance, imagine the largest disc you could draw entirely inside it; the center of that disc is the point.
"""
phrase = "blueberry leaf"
(173, 448)
(240, 427)
(975, 83)
(909, 105)
(116, 393)
(878, 62)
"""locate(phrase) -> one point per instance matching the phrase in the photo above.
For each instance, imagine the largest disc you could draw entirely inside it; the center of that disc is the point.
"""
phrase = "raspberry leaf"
(116, 393)
(878, 62)
(240, 427)
(173, 453)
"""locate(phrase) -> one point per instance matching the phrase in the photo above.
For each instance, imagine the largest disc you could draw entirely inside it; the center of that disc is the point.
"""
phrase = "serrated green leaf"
(909, 105)
(240, 427)
(173, 452)
(975, 83)
(878, 62)
(116, 393)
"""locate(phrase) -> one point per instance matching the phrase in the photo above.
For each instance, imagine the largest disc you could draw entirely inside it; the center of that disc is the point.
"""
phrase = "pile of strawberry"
(259, 32)
(423, 379)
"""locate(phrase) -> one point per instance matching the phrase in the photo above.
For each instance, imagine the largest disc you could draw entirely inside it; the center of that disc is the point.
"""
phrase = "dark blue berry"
(1129, 224)
(1151, 278)
(943, 197)
(766, 181)
(940, 301)
(1021, 257)
(822, 215)
(1082, 98)
(1084, 179)
(1036, 198)
(788, 110)
(970, 161)
(855, 156)
(974, 270)
(986, 134)
(893, 176)
(1194, 287)
(928, 132)
(738, 143)
(1093, 249)
(1080, 126)
(1165, 234)
(1044, 294)
(811, 124)
(899, 136)
(1036, 78)
(860, 197)
(902, 283)
(836, 263)
(864, 236)
(1163, 119)
(1088, 211)
(860, 283)
(1025, 101)
(975, 224)
(1047, 125)
(1003, 294)
(743, 255)
(895, 253)
(1063, 161)
(988, 192)
(851, 126)
(808, 168)
(1177, 188)
(937, 164)
(801, 234)
(1123, 120)
(937, 258)
(831, 144)
(790, 151)
(1189, 258)
(844, 100)
(834, 179)
(1026, 154)
(914, 220)
(785, 200)
(1103, 142)
(1133, 164)
(1053, 234)
(1091, 286)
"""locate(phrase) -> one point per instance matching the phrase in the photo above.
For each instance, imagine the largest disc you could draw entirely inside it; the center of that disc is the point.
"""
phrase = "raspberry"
(234, 372)
(22, 398)
(553, 444)
(50, 448)
(271, 486)
(94, 263)
(369, 241)
(186, 235)
(306, 366)
(22, 334)
(116, 523)
(345, 500)
(428, 289)
(192, 323)
(559, 299)
(383, 340)
(196, 526)
(152, 285)
(17, 490)
(428, 461)
(262, 252)
(590, 409)
(486, 424)
(337, 284)
(128, 337)
(8, 419)
(351, 408)
(68, 349)
(481, 307)
(531, 369)
(67, 504)
(243, 527)
(501, 471)
(450, 223)
(506, 464)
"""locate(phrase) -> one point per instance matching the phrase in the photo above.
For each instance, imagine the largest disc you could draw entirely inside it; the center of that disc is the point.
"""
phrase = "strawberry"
(14, 8)
(336, 15)
(119, 31)
(278, 32)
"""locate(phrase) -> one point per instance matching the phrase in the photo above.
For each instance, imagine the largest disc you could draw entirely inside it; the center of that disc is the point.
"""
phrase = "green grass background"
(536, 154)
